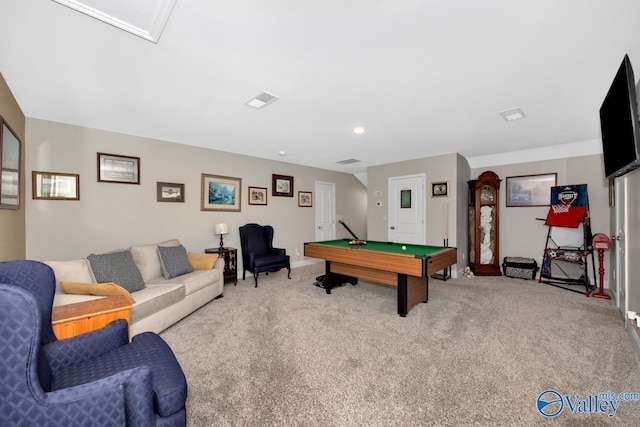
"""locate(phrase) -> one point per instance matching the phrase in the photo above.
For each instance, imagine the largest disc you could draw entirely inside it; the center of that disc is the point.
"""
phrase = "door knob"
(392, 227)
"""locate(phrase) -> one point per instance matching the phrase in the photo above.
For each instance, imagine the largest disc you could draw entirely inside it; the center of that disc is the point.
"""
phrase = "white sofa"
(162, 302)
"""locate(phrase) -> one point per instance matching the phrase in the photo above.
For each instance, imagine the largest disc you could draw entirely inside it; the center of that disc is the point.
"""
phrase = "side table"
(230, 256)
(74, 319)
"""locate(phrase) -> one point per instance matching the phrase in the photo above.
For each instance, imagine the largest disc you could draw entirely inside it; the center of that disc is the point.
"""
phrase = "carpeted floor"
(479, 353)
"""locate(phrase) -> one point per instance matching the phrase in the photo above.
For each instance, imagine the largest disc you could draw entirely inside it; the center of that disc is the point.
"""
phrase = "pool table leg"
(328, 282)
(411, 291)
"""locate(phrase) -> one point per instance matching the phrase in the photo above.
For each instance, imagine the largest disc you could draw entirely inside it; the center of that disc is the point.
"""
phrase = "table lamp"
(221, 229)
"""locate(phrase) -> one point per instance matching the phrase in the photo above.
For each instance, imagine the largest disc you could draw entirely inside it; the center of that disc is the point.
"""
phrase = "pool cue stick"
(348, 229)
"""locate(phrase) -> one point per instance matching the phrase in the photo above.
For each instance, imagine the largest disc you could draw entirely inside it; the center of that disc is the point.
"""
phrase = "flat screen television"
(620, 125)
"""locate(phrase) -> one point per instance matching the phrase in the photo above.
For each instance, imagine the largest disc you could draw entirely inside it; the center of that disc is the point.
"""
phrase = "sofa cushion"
(147, 259)
(202, 261)
(191, 282)
(117, 267)
(77, 270)
(174, 261)
(101, 289)
(154, 298)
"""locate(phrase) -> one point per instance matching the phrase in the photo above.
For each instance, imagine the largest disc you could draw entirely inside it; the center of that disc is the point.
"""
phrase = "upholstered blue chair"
(258, 253)
(94, 379)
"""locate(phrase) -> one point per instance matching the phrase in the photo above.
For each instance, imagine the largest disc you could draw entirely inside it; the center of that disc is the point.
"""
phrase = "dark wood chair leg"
(289, 273)
(255, 277)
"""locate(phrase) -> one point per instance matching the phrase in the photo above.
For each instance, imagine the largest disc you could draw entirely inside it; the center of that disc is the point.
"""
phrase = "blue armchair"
(258, 253)
(94, 379)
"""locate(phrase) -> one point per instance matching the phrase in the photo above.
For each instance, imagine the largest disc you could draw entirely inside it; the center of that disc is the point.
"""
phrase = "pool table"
(385, 262)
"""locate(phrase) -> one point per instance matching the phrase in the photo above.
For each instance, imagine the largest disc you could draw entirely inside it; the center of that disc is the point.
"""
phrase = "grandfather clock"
(484, 257)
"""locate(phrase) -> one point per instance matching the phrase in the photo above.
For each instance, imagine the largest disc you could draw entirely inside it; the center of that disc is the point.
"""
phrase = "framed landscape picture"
(257, 196)
(55, 186)
(530, 190)
(169, 192)
(282, 185)
(116, 168)
(220, 193)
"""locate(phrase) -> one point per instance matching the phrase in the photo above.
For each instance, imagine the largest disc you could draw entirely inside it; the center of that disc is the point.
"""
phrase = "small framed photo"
(170, 192)
(257, 196)
(282, 185)
(530, 190)
(440, 189)
(220, 193)
(55, 186)
(116, 168)
(305, 199)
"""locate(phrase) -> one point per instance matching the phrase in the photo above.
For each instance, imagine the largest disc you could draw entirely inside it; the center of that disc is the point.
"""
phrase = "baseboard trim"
(633, 332)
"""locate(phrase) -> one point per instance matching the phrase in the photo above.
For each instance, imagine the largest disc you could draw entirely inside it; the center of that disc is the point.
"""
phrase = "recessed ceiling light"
(261, 100)
(282, 153)
(513, 114)
(358, 130)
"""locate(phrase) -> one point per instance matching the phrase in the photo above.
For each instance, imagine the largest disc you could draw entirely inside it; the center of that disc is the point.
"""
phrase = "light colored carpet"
(478, 353)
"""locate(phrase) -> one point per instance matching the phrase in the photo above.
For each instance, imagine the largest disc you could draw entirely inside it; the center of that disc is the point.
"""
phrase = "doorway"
(406, 209)
(325, 211)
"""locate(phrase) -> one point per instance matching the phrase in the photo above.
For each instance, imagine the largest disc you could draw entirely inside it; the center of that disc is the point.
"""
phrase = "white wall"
(110, 216)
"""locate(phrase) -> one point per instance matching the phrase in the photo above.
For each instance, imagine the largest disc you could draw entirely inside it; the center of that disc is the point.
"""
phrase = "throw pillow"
(99, 289)
(117, 267)
(174, 261)
(202, 261)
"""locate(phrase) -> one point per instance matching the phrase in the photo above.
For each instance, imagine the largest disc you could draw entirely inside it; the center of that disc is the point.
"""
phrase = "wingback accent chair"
(94, 379)
(258, 253)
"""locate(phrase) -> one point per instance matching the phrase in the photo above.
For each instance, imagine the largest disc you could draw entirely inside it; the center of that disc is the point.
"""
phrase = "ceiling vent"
(261, 100)
(513, 114)
(348, 161)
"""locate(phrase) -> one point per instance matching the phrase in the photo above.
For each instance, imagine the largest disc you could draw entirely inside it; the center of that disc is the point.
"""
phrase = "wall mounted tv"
(620, 125)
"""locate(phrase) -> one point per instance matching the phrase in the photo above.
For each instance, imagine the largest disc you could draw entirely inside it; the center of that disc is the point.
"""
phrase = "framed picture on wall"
(440, 189)
(305, 199)
(220, 193)
(55, 186)
(530, 190)
(257, 196)
(282, 185)
(169, 192)
(116, 168)
(11, 169)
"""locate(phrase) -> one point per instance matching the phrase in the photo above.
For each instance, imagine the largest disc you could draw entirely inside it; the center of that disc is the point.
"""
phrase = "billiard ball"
(404, 248)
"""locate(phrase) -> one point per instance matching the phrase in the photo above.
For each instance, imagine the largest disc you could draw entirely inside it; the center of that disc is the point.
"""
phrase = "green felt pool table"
(387, 263)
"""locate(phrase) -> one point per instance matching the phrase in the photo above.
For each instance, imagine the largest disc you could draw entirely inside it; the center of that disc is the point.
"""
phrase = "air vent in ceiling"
(348, 161)
(513, 114)
(261, 100)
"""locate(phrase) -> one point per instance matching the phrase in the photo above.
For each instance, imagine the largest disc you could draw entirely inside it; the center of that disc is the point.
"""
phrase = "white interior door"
(406, 209)
(325, 211)
(619, 249)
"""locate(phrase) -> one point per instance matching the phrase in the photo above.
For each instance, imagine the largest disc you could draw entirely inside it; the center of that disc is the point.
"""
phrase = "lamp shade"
(221, 228)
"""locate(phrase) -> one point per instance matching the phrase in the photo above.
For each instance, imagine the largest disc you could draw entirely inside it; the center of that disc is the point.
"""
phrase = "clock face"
(487, 195)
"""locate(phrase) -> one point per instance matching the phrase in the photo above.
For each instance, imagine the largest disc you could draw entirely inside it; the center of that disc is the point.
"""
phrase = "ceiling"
(423, 77)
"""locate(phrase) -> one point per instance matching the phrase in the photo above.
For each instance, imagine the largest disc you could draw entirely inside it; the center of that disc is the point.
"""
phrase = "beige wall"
(12, 222)
(521, 234)
(452, 168)
(110, 216)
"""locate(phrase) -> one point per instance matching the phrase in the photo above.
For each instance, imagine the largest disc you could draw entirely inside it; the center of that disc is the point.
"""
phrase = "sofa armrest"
(74, 350)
